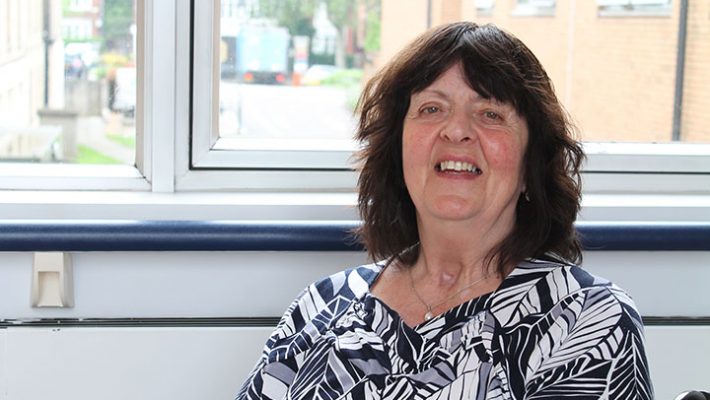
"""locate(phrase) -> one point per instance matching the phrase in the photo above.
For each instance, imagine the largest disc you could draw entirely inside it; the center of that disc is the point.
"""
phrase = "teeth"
(458, 166)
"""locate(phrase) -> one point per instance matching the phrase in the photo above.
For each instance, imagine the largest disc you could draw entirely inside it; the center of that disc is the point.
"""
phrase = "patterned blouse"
(549, 331)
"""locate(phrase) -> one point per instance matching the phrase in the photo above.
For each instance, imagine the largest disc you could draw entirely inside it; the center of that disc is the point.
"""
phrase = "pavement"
(92, 132)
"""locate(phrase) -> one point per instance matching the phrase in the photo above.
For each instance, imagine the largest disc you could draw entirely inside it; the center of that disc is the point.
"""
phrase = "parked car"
(124, 94)
(317, 73)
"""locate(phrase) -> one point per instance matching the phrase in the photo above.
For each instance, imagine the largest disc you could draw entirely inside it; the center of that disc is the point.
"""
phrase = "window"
(285, 85)
(534, 8)
(598, 79)
(72, 98)
(204, 115)
(634, 3)
(634, 7)
(87, 76)
(80, 5)
(484, 7)
(278, 93)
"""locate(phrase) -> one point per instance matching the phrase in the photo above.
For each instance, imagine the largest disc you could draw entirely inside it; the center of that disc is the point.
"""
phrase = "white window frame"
(155, 118)
(222, 164)
(164, 148)
(652, 168)
(208, 162)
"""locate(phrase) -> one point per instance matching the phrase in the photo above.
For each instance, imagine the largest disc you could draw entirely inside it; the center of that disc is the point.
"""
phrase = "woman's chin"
(454, 211)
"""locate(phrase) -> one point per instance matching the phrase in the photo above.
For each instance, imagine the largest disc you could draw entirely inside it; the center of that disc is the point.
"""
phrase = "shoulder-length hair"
(496, 65)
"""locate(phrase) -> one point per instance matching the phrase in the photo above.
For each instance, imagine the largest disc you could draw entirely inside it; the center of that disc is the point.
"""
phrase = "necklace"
(429, 313)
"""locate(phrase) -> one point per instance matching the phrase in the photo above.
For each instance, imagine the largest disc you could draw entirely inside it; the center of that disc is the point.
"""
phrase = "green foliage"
(324, 59)
(351, 81)
(372, 29)
(344, 78)
(100, 71)
(88, 155)
(65, 7)
(294, 15)
(297, 17)
(118, 17)
(82, 40)
(342, 13)
(126, 141)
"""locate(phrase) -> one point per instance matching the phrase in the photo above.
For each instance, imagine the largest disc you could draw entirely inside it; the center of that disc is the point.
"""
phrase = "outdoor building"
(325, 32)
(33, 57)
(82, 19)
(614, 65)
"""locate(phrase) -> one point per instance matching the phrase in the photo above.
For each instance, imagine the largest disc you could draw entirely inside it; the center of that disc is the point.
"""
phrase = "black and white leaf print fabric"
(550, 331)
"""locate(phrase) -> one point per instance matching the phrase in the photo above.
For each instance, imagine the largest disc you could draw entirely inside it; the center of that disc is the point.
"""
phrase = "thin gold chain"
(429, 314)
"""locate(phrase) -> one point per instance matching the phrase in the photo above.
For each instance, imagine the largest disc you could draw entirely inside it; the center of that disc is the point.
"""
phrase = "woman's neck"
(448, 271)
(452, 251)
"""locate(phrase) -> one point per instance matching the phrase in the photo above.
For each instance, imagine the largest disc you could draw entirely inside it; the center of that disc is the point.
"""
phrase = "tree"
(294, 15)
(117, 21)
(346, 15)
(373, 20)
(342, 13)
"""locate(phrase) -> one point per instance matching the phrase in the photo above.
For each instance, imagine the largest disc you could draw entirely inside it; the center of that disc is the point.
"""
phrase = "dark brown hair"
(496, 65)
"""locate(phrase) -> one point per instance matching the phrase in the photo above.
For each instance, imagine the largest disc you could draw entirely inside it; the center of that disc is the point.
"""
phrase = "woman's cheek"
(503, 152)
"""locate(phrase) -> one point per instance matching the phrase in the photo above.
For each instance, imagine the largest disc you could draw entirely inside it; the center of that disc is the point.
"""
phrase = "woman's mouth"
(458, 166)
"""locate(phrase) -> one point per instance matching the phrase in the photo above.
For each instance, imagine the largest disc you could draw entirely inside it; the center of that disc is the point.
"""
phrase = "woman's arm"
(591, 346)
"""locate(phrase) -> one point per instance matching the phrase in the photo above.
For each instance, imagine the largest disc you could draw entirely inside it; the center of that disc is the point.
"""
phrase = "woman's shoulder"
(561, 277)
(349, 283)
(305, 320)
(327, 297)
(542, 286)
(558, 320)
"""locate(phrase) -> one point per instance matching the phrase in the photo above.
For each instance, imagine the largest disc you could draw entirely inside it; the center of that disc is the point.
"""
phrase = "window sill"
(295, 206)
(127, 205)
(19, 176)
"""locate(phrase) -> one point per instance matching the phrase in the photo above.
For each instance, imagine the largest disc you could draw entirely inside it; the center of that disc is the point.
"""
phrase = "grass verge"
(87, 155)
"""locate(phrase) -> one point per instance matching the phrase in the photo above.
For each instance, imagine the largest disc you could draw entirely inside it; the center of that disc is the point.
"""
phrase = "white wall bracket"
(52, 280)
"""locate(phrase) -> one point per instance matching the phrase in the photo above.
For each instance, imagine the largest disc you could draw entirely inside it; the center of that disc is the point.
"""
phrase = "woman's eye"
(430, 110)
(492, 115)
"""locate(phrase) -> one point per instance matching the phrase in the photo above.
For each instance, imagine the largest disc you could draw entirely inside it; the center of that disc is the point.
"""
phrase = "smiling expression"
(463, 154)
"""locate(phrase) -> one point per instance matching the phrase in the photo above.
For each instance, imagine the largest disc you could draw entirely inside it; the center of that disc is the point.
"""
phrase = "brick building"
(614, 67)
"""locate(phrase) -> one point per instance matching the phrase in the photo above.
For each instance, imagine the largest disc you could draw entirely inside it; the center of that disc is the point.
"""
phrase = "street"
(273, 111)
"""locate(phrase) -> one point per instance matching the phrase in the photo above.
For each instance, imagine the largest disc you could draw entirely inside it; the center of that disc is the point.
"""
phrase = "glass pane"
(293, 69)
(617, 73)
(67, 92)
(631, 73)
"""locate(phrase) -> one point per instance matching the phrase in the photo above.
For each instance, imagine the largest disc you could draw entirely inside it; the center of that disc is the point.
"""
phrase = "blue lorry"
(257, 53)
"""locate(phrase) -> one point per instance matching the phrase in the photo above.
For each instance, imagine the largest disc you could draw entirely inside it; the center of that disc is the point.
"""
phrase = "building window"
(284, 79)
(259, 96)
(86, 90)
(610, 8)
(240, 127)
(534, 8)
(484, 7)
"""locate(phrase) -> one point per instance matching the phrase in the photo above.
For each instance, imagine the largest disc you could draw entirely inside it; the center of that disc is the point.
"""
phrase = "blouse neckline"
(443, 319)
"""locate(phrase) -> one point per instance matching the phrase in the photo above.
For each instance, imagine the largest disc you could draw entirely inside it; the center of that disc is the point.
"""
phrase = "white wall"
(210, 363)
(126, 363)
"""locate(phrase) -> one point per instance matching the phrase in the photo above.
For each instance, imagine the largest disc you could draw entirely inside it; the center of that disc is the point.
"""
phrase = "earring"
(527, 196)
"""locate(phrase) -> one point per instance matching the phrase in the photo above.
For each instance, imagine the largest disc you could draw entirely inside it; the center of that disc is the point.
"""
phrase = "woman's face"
(463, 154)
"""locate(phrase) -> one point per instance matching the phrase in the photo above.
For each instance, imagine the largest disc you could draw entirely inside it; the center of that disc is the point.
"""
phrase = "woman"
(469, 189)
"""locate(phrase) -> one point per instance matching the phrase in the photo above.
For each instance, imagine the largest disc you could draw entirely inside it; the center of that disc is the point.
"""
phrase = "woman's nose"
(458, 128)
